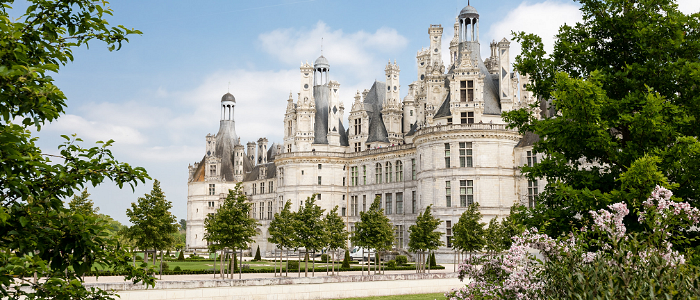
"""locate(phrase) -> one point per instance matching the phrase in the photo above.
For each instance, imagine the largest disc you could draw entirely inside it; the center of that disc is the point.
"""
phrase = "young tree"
(82, 204)
(37, 231)
(231, 226)
(282, 230)
(493, 237)
(154, 225)
(310, 229)
(183, 225)
(423, 235)
(374, 230)
(336, 232)
(468, 233)
(624, 88)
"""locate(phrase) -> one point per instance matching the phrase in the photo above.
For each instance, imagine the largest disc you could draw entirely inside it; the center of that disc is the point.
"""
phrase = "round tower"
(321, 70)
(227, 104)
(468, 25)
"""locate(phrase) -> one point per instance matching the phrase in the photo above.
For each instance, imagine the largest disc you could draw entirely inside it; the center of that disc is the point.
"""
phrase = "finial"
(321, 46)
(469, 2)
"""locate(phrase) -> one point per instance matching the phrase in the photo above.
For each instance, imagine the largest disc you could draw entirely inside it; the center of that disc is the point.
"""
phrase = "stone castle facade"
(445, 144)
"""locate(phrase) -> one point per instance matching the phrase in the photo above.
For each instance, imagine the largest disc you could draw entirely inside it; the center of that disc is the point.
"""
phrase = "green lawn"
(403, 297)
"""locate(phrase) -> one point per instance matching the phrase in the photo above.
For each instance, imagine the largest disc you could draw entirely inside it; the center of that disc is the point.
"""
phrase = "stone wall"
(326, 287)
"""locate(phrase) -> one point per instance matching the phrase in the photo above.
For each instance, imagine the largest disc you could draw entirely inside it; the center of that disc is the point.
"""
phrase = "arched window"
(378, 173)
(399, 171)
(387, 172)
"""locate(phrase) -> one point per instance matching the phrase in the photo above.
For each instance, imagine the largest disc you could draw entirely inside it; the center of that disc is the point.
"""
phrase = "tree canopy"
(374, 230)
(231, 226)
(468, 233)
(281, 229)
(624, 92)
(423, 235)
(38, 235)
(154, 225)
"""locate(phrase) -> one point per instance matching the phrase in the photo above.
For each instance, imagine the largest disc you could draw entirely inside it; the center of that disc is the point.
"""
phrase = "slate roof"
(373, 105)
(444, 110)
(321, 97)
(413, 130)
(492, 103)
(226, 139)
(528, 139)
(253, 175)
(343, 134)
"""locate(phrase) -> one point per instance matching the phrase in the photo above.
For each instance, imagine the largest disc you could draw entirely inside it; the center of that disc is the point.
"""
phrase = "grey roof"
(492, 103)
(469, 12)
(226, 139)
(272, 152)
(228, 97)
(321, 97)
(321, 62)
(255, 172)
(373, 104)
(444, 110)
(343, 134)
(528, 139)
(413, 130)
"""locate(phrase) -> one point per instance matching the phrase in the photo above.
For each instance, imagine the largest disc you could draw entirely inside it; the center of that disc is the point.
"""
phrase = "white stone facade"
(445, 144)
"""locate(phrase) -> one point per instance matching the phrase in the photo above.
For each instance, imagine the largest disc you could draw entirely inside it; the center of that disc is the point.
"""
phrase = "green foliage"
(468, 233)
(39, 234)
(401, 260)
(181, 256)
(335, 230)
(346, 260)
(231, 226)
(154, 225)
(257, 255)
(292, 265)
(391, 264)
(177, 269)
(624, 84)
(282, 228)
(81, 204)
(431, 260)
(324, 258)
(374, 230)
(423, 235)
(309, 226)
(183, 225)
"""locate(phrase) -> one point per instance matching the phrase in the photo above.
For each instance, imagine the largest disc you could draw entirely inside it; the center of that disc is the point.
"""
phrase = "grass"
(403, 297)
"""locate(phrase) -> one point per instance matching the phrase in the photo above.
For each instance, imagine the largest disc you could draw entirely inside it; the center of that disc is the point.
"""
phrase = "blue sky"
(158, 97)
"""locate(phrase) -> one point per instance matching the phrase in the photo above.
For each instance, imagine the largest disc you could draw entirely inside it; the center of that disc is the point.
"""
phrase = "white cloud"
(543, 19)
(358, 50)
(96, 130)
(689, 6)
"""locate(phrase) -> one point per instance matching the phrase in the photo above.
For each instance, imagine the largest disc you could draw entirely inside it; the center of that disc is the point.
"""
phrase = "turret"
(251, 151)
(262, 151)
(504, 77)
(334, 115)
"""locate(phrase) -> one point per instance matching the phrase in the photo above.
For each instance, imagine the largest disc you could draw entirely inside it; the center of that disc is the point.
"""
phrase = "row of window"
(392, 204)
(386, 172)
(466, 193)
(270, 185)
(259, 211)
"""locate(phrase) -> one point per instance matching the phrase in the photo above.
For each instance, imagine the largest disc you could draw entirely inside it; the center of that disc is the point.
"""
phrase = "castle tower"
(251, 152)
(334, 114)
(290, 126)
(321, 99)
(409, 109)
(391, 110)
(239, 153)
(305, 111)
(435, 32)
(262, 151)
(504, 80)
(359, 120)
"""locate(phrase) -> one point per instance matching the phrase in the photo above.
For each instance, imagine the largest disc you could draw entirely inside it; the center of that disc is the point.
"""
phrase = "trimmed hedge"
(211, 271)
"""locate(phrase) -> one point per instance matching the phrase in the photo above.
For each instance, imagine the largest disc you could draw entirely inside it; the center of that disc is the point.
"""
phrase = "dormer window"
(212, 170)
(466, 90)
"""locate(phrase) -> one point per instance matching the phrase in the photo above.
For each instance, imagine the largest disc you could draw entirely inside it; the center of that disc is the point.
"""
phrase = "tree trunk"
(240, 265)
(362, 262)
(299, 266)
(274, 262)
(230, 273)
(133, 253)
(161, 265)
(155, 254)
(306, 263)
(313, 264)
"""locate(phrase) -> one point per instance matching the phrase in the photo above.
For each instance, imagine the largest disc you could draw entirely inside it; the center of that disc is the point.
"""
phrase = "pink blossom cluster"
(611, 222)
(660, 201)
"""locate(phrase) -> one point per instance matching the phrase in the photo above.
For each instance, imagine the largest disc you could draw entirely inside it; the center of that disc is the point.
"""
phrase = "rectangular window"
(270, 188)
(255, 188)
(358, 126)
(388, 205)
(465, 154)
(353, 205)
(447, 155)
(364, 202)
(343, 181)
(413, 202)
(353, 176)
(470, 117)
(532, 192)
(448, 233)
(448, 194)
(342, 212)
(378, 173)
(463, 91)
(318, 197)
(262, 210)
(466, 192)
(463, 118)
(319, 180)
(399, 203)
(399, 171)
(289, 148)
(449, 121)
(212, 189)
(413, 169)
(531, 158)
(255, 210)
(358, 147)
(319, 166)
(470, 90)
(387, 172)
(364, 174)
(398, 235)
(262, 188)
(269, 210)
(212, 170)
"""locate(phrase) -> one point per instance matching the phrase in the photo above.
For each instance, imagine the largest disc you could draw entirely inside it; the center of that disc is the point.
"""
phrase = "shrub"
(166, 266)
(401, 260)
(181, 256)
(177, 269)
(167, 253)
(292, 265)
(431, 260)
(391, 264)
(257, 255)
(324, 258)
(346, 260)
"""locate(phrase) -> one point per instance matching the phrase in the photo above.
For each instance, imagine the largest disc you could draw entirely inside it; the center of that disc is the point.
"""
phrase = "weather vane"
(321, 46)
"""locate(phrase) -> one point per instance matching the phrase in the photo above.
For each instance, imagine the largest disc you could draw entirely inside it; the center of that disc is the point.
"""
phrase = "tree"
(423, 235)
(257, 255)
(624, 88)
(374, 230)
(493, 237)
(310, 228)
(39, 237)
(82, 204)
(231, 226)
(469, 231)
(154, 225)
(281, 230)
(336, 233)
(183, 225)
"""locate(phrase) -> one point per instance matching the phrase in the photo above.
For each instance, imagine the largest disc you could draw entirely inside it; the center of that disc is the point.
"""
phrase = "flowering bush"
(597, 262)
